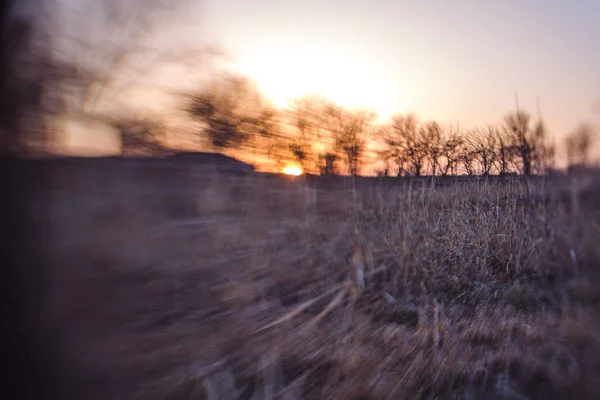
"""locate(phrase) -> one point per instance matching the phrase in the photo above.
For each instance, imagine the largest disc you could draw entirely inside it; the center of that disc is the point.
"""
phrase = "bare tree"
(527, 138)
(389, 155)
(483, 144)
(26, 76)
(450, 152)
(103, 49)
(505, 152)
(299, 154)
(328, 164)
(467, 158)
(351, 130)
(404, 145)
(141, 136)
(416, 155)
(394, 148)
(310, 139)
(578, 144)
(431, 136)
(231, 111)
(112, 44)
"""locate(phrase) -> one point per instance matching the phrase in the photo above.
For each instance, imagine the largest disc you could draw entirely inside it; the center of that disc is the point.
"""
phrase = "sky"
(458, 62)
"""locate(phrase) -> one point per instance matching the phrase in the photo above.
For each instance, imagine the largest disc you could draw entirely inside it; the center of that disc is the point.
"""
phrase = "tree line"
(326, 138)
(42, 85)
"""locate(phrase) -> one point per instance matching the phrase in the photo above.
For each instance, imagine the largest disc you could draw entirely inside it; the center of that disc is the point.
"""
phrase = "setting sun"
(295, 171)
(285, 72)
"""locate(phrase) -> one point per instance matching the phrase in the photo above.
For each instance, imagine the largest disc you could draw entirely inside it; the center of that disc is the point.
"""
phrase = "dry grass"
(171, 285)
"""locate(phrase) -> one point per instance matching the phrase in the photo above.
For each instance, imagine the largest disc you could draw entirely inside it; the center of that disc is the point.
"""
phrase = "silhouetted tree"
(505, 152)
(482, 143)
(27, 74)
(231, 110)
(451, 151)
(393, 161)
(310, 136)
(328, 166)
(405, 146)
(267, 123)
(100, 49)
(578, 144)
(393, 149)
(299, 154)
(117, 48)
(140, 136)
(527, 138)
(467, 158)
(351, 130)
(431, 136)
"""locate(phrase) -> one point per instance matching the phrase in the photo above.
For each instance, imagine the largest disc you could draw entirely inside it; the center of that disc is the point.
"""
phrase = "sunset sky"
(459, 62)
(453, 61)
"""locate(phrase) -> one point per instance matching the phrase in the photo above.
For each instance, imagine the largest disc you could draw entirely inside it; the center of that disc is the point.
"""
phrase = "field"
(167, 282)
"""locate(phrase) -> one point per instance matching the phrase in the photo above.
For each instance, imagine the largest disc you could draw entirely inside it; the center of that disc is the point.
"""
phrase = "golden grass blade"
(303, 306)
(332, 304)
(357, 268)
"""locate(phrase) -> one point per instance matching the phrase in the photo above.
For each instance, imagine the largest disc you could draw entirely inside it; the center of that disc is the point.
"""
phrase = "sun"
(295, 171)
(286, 72)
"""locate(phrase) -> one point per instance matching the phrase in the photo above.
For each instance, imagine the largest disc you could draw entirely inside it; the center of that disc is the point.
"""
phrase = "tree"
(310, 137)
(578, 144)
(505, 152)
(118, 48)
(26, 75)
(350, 130)
(483, 144)
(393, 149)
(450, 153)
(231, 111)
(328, 166)
(404, 144)
(543, 151)
(103, 49)
(527, 138)
(141, 135)
(431, 139)
(466, 158)
(299, 154)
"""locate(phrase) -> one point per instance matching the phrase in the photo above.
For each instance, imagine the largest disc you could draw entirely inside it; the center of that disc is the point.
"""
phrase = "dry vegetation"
(170, 283)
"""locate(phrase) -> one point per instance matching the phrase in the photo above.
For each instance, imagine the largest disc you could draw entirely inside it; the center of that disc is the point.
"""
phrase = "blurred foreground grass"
(168, 282)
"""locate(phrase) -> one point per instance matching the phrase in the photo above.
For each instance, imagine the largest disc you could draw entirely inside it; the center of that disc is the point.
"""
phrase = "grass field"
(171, 283)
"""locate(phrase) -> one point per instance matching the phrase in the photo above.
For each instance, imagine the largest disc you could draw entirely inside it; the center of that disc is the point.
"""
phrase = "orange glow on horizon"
(295, 171)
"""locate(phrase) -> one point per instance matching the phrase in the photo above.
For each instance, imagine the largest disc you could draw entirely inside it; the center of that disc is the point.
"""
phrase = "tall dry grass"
(170, 283)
